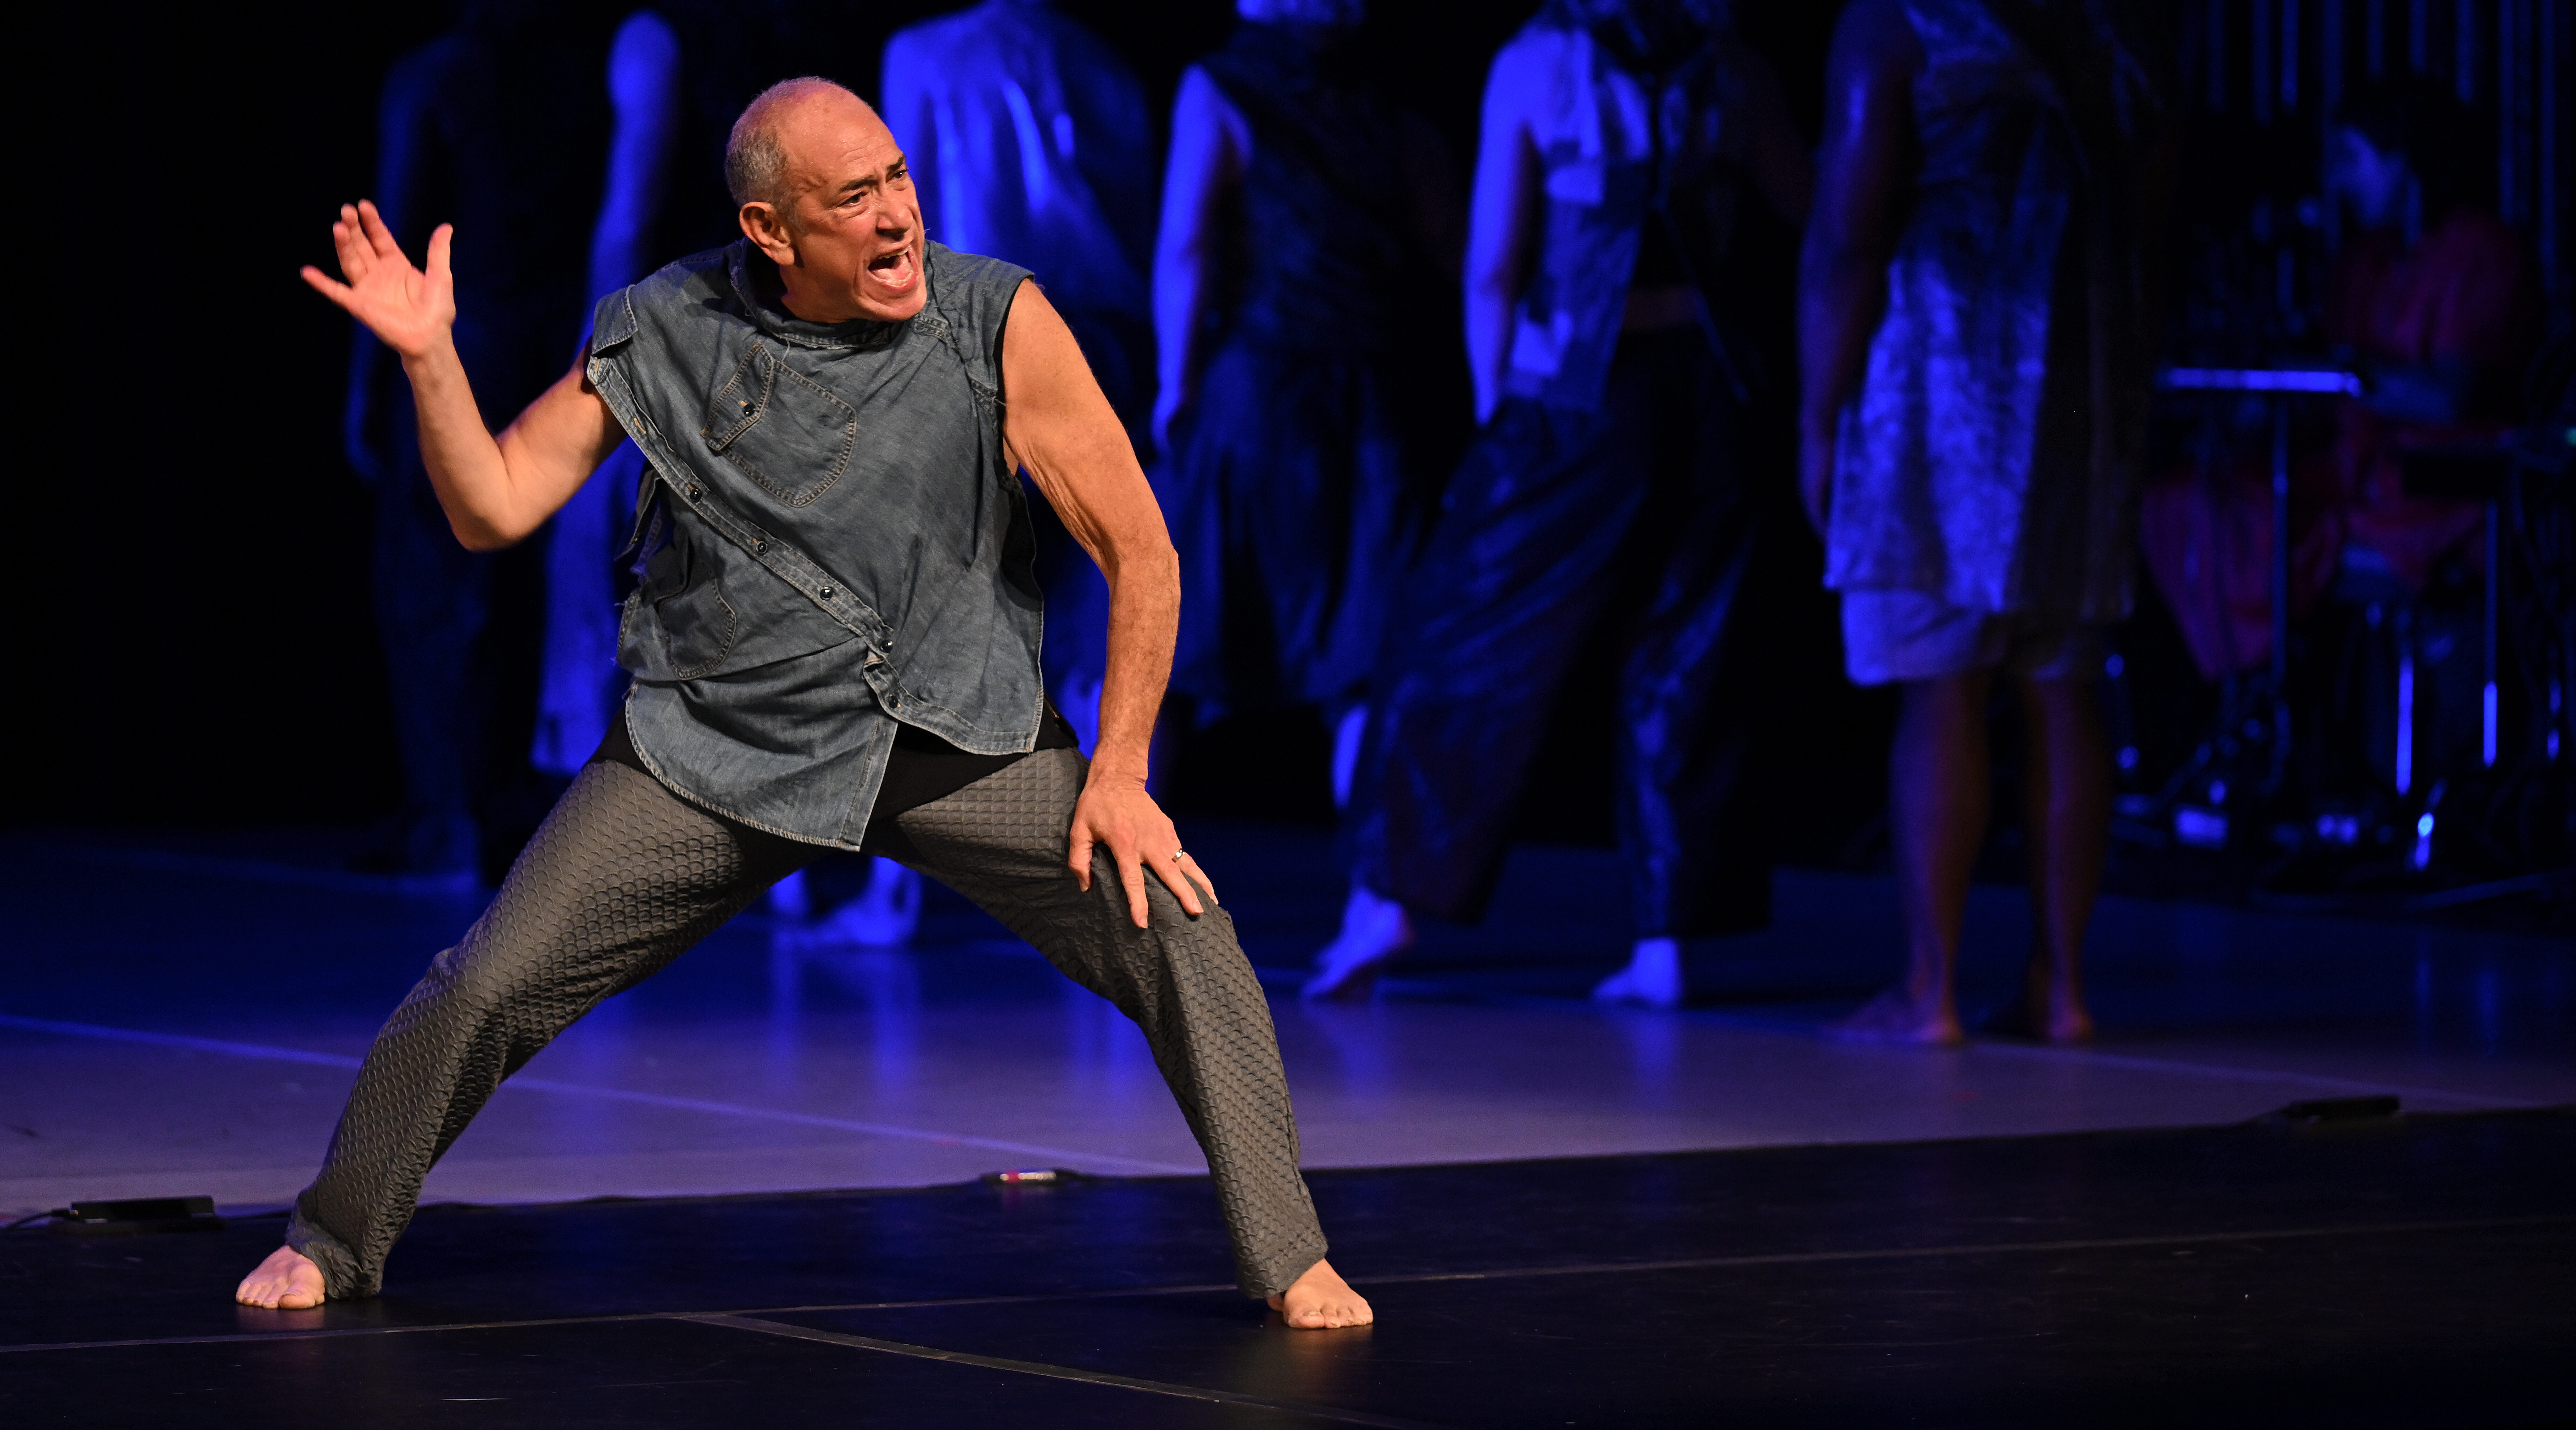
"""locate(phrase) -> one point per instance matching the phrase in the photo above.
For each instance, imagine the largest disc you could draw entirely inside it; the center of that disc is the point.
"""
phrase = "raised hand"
(411, 311)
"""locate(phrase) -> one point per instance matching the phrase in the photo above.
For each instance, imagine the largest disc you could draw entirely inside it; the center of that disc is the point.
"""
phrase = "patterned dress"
(1990, 456)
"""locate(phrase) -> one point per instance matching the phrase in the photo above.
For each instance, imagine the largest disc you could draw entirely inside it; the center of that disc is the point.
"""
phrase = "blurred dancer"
(1031, 141)
(1297, 282)
(1610, 498)
(455, 130)
(1976, 352)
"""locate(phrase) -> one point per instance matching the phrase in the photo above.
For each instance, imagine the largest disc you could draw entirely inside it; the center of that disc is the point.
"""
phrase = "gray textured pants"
(625, 876)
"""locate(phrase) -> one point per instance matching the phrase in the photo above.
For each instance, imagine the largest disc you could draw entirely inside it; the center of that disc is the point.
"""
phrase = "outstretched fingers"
(329, 287)
(442, 240)
(379, 237)
(349, 241)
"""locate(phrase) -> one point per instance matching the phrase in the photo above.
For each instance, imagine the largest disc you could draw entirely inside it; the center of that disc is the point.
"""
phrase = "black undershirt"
(922, 767)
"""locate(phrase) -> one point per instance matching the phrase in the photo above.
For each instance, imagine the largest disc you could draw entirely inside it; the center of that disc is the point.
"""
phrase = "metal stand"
(2253, 730)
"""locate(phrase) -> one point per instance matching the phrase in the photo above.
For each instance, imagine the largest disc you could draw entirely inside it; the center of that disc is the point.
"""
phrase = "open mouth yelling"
(895, 273)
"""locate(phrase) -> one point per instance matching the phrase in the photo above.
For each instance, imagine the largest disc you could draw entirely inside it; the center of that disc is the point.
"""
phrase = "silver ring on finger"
(1178, 855)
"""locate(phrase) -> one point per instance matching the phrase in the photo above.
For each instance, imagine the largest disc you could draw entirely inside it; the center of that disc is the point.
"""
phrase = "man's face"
(854, 222)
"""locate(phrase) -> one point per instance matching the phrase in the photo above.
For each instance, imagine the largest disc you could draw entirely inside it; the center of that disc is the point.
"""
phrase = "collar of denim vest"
(774, 319)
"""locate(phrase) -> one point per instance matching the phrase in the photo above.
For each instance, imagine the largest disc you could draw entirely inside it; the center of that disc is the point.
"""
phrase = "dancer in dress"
(1977, 358)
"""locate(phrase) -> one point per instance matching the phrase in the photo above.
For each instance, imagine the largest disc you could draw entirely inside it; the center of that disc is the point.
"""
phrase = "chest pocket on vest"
(781, 428)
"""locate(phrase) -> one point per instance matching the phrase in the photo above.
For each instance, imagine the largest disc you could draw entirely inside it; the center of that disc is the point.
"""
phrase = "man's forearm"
(1144, 620)
(465, 463)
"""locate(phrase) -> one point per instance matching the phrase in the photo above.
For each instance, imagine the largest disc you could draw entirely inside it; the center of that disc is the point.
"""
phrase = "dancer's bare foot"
(286, 1281)
(1321, 1300)
(1653, 976)
(1901, 1015)
(1374, 929)
(2053, 1006)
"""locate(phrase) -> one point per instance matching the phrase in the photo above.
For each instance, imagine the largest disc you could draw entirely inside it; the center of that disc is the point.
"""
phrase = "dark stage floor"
(2400, 1272)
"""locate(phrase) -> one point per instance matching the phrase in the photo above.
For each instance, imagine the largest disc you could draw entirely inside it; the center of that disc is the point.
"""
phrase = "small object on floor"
(1032, 1176)
(2340, 1109)
(139, 1216)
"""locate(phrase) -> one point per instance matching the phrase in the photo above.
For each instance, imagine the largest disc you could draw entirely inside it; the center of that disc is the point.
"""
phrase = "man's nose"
(894, 220)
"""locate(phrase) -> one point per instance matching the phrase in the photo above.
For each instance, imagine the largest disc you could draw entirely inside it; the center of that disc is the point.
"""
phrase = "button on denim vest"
(838, 541)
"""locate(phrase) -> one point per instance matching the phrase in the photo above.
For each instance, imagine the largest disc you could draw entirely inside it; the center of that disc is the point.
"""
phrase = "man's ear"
(766, 227)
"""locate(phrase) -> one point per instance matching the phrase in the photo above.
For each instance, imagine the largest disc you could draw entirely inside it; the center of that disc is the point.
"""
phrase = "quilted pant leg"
(1002, 842)
(622, 878)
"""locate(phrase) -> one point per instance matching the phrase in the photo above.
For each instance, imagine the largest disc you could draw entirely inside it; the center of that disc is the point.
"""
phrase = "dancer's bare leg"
(1321, 1300)
(284, 1282)
(2069, 818)
(1375, 928)
(1349, 729)
(1936, 806)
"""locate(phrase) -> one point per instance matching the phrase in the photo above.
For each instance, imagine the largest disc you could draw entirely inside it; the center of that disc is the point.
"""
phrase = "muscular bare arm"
(1861, 180)
(1058, 427)
(1211, 145)
(1501, 224)
(495, 490)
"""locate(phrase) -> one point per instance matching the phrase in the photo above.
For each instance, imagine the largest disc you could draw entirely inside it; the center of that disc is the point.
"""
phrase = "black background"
(192, 636)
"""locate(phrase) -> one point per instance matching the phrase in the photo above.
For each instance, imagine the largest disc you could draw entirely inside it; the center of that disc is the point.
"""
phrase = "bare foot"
(1653, 976)
(1901, 1016)
(2053, 1007)
(1321, 1300)
(1374, 929)
(2069, 1021)
(284, 1282)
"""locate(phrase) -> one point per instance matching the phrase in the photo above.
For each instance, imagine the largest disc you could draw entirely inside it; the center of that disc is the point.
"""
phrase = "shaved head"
(820, 186)
(757, 159)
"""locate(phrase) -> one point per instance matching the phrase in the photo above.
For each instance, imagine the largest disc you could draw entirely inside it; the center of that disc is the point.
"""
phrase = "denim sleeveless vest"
(836, 542)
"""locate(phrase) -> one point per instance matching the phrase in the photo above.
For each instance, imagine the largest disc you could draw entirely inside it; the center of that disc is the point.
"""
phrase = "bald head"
(821, 188)
(761, 156)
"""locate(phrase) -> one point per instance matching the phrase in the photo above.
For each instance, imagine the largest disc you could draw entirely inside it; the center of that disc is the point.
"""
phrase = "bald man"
(835, 646)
